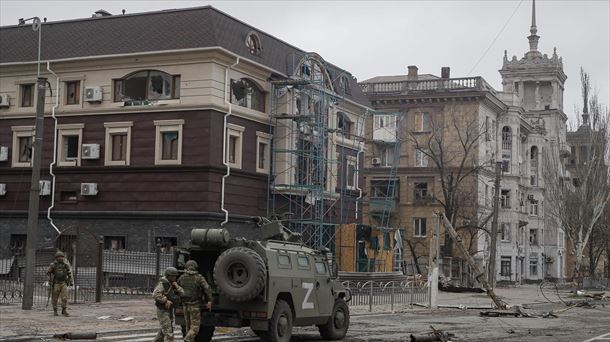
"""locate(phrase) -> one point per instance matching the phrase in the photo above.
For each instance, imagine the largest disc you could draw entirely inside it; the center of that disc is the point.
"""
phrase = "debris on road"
(127, 319)
(434, 335)
(77, 336)
(103, 317)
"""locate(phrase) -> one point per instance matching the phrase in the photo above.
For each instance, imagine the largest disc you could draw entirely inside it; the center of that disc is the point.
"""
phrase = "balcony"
(427, 86)
(380, 205)
(384, 135)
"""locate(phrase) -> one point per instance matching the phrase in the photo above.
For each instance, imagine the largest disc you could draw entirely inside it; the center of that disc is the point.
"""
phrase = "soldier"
(166, 293)
(60, 277)
(196, 292)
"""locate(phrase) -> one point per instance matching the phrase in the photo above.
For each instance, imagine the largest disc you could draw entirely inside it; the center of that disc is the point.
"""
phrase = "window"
(505, 232)
(253, 43)
(534, 237)
(534, 166)
(486, 129)
(303, 261)
(421, 159)
(344, 125)
(23, 138)
(146, 85)
(534, 208)
(561, 239)
(350, 172)
(283, 260)
(320, 267)
(167, 243)
(505, 199)
(583, 154)
(533, 266)
(384, 188)
(69, 140)
(419, 227)
(168, 142)
(72, 92)
(507, 139)
(234, 145)
(344, 84)
(246, 93)
(421, 191)
(118, 143)
(263, 152)
(17, 244)
(27, 95)
(422, 122)
(387, 155)
(384, 121)
(505, 266)
(114, 243)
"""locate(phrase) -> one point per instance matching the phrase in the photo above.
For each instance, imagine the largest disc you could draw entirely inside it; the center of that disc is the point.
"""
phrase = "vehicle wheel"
(280, 325)
(205, 334)
(183, 329)
(240, 274)
(338, 323)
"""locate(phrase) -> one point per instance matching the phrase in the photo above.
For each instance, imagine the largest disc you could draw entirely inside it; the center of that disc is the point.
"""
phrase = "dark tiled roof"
(153, 31)
(400, 78)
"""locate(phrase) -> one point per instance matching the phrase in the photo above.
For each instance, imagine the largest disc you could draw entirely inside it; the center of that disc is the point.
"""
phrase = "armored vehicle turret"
(270, 284)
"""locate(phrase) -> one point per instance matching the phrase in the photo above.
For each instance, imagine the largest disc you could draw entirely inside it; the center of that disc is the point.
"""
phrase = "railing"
(385, 296)
(416, 86)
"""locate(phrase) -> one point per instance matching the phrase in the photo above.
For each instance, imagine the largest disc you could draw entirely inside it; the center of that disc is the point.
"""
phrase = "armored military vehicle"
(269, 285)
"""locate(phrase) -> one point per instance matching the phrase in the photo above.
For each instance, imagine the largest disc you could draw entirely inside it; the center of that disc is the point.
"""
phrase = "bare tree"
(577, 200)
(452, 147)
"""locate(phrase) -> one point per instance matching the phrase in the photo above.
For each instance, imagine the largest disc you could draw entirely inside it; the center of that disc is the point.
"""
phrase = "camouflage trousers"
(192, 317)
(60, 290)
(166, 320)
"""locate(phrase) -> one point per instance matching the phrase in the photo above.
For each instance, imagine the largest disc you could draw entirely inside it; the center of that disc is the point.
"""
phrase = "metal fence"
(129, 273)
(385, 295)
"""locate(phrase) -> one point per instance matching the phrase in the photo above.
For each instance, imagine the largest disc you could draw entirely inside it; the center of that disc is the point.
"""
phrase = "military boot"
(64, 312)
(55, 312)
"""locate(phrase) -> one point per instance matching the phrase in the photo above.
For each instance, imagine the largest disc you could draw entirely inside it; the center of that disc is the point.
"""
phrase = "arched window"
(253, 42)
(247, 94)
(147, 85)
(507, 140)
(312, 69)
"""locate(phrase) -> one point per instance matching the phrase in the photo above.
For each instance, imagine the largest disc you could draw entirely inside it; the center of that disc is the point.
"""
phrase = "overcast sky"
(372, 38)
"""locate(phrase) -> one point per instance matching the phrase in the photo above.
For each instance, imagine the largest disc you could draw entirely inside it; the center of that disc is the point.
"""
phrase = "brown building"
(144, 104)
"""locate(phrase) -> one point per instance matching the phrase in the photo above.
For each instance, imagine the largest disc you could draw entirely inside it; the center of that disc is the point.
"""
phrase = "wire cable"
(496, 38)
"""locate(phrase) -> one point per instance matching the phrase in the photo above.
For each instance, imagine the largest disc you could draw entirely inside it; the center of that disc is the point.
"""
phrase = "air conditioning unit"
(3, 153)
(93, 94)
(88, 189)
(91, 151)
(376, 161)
(45, 187)
(2, 189)
(4, 100)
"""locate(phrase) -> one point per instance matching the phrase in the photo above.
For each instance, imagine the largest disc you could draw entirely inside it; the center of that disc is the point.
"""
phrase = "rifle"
(51, 286)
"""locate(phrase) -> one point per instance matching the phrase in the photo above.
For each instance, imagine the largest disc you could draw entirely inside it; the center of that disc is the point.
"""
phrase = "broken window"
(169, 145)
(344, 125)
(421, 190)
(147, 85)
(253, 43)
(350, 172)
(167, 243)
(384, 188)
(505, 266)
(505, 199)
(25, 149)
(533, 237)
(246, 93)
(114, 243)
(72, 92)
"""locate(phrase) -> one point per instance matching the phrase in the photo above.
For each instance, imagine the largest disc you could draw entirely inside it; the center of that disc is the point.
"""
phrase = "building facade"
(166, 121)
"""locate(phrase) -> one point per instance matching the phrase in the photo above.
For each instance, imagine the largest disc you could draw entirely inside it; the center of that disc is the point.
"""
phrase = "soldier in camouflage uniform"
(60, 277)
(165, 294)
(196, 292)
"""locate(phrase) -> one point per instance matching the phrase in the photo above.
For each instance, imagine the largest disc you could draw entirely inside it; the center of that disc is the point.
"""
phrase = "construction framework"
(316, 153)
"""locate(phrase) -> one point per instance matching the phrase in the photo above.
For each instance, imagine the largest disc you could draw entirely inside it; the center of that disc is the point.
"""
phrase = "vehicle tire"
(338, 323)
(280, 325)
(205, 333)
(240, 274)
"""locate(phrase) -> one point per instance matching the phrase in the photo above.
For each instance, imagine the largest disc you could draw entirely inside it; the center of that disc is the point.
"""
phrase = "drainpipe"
(224, 142)
(54, 149)
(360, 151)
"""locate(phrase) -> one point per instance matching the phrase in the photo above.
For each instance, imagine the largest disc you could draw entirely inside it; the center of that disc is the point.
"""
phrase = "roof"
(175, 29)
(400, 78)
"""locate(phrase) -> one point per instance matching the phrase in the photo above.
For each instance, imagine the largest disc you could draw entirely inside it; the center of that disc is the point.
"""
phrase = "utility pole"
(494, 229)
(434, 260)
(34, 203)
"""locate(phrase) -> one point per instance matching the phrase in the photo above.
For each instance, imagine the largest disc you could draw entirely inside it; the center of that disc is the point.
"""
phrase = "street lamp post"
(34, 202)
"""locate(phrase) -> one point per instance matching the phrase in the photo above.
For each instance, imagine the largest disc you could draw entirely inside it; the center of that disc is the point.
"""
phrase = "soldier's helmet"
(59, 254)
(191, 265)
(171, 271)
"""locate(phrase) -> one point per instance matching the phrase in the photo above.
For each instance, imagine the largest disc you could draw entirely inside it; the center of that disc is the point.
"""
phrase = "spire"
(533, 38)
